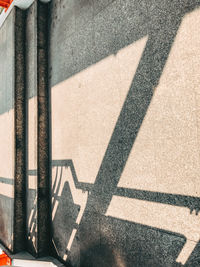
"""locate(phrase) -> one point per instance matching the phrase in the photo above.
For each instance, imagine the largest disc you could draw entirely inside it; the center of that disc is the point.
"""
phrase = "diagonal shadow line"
(135, 107)
(129, 122)
(193, 203)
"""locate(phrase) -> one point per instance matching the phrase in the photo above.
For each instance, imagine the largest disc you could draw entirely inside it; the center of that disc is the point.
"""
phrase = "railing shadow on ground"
(65, 205)
(98, 239)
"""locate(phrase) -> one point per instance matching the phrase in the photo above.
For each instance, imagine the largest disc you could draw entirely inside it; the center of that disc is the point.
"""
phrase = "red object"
(5, 3)
(4, 259)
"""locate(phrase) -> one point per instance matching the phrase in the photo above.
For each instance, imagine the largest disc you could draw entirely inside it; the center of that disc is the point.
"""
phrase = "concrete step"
(38, 216)
(24, 136)
(12, 135)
